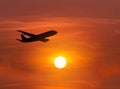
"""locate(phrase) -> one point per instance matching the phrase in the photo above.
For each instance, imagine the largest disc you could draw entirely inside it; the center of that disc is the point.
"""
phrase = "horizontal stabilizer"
(18, 39)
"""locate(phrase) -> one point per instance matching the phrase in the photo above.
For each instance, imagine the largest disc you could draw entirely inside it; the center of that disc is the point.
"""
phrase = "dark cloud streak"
(68, 8)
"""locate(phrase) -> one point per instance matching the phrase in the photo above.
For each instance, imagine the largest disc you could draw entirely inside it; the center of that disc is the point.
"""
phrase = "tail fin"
(23, 37)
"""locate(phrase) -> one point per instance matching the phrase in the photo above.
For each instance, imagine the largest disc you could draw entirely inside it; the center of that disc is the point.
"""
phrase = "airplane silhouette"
(32, 37)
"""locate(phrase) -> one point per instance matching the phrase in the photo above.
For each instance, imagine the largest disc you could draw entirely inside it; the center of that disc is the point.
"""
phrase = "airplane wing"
(26, 33)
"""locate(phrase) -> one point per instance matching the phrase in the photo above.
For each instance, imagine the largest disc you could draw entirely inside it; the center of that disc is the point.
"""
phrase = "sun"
(60, 62)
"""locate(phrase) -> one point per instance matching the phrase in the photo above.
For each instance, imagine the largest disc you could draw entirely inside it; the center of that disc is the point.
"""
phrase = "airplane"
(32, 37)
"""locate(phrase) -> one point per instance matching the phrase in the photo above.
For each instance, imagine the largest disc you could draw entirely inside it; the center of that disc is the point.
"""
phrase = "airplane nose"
(56, 32)
(53, 32)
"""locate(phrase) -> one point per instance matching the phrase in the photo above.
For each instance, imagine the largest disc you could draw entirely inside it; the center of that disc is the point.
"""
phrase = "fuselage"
(40, 37)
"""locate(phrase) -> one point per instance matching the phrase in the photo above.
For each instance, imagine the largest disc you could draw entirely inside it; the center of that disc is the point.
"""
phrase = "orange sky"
(88, 36)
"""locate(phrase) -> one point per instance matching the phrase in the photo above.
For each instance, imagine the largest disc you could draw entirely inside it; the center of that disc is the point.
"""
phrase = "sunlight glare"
(60, 62)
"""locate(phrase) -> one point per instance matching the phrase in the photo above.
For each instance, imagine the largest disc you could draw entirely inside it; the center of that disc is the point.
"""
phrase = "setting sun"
(60, 62)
